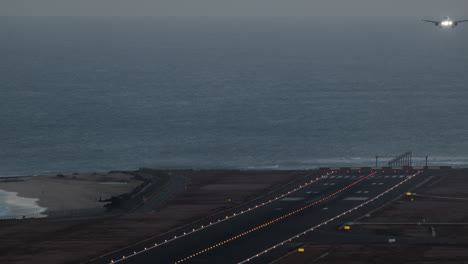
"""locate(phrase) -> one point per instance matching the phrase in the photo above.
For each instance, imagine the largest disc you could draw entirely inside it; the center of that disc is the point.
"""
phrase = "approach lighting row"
(328, 221)
(225, 218)
(272, 221)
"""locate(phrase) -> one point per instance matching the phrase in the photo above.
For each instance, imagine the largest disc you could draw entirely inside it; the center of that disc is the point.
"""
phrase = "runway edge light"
(300, 250)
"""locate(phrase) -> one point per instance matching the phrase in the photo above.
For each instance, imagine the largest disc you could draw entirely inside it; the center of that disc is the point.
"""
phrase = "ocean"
(88, 94)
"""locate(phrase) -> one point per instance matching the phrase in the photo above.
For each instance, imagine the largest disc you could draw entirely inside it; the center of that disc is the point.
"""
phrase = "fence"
(58, 213)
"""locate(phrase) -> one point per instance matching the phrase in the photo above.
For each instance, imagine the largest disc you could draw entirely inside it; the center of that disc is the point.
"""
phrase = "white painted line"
(268, 223)
(366, 191)
(332, 183)
(374, 183)
(355, 198)
(325, 183)
(359, 192)
(292, 199)
(220, 220)
(326, 222)
(380, 183)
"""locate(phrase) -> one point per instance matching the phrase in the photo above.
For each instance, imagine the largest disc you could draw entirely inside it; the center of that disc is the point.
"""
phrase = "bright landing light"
(447, 23)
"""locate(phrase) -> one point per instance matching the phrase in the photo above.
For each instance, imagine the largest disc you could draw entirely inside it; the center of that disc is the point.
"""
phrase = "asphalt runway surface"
(254, 231)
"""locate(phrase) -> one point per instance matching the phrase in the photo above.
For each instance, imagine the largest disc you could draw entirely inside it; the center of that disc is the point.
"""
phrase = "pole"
(426, 161)
(376, 160)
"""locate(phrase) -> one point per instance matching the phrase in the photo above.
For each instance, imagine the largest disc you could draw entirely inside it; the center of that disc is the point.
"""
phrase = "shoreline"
(87, 193)
(80, 238)
(83, 238)
(15, 206)
(72, 192)
(439, 161)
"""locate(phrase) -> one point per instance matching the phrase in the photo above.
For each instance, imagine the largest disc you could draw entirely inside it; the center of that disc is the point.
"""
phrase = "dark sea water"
(99, 94)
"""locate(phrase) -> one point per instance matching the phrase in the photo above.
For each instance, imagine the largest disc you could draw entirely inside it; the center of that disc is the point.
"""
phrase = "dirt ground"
(378, 254)
(70, 192)
(73, 240)
(450, 183)
(453, 183)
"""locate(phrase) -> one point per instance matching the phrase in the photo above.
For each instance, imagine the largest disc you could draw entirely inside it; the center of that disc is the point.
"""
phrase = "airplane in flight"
(446, 22)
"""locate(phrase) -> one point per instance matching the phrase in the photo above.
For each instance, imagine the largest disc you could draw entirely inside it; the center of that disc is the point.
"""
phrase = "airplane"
(446, 22)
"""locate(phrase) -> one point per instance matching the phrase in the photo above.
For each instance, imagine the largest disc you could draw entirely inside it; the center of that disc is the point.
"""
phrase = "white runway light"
(334, 218)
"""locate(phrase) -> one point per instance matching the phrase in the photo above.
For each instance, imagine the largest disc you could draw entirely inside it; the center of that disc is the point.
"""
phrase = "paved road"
(323, 203)
(175, 185)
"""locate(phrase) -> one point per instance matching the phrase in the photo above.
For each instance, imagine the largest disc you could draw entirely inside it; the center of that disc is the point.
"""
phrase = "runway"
(246, 233)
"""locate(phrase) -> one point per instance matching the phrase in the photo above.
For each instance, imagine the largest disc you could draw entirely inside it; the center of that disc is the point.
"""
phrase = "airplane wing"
(461, 21)
(431, 21)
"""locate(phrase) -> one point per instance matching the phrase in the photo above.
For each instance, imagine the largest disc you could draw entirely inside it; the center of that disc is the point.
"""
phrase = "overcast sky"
(435, 8)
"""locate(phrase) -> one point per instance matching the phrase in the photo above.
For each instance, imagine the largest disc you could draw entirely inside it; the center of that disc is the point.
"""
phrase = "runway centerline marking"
(270, 222)
(292, 199)
(223, 219)
(329, 220)
(355, 198)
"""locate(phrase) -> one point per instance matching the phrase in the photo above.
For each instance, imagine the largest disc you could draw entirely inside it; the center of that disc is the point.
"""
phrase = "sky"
(426, 8)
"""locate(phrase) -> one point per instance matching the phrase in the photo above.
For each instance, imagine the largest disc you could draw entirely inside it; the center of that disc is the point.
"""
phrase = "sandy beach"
(70, 192)
(77, 239)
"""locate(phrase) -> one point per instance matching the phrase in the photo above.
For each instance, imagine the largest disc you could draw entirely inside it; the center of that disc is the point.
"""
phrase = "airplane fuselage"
(446, 22)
